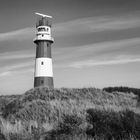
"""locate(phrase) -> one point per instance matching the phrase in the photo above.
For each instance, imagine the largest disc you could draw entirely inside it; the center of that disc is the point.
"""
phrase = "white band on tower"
(43, 67)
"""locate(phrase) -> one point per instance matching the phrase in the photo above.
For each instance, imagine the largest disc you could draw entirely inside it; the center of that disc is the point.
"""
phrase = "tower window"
(42, 63)
(42, 81)
(40, 29)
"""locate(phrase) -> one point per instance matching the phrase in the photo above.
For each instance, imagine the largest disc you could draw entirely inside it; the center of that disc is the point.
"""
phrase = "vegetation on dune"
(122, 89)
(70, 114)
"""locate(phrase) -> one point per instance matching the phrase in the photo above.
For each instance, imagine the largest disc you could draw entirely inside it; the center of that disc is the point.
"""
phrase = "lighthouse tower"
(43, 62)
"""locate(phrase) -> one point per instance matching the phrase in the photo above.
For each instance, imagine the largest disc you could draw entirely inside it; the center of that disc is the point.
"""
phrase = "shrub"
(109, 124)
(10, 108)
(70, 123)
(123, 89)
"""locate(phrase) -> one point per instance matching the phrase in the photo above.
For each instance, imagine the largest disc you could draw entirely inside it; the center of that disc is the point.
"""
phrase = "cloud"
(7, 73)
(21, 34)
(18, 66)
(15, 62)
(97, 51)
(91, 63)
(16, 55)
(97, 24)
(125, 46)
(15, 72)
(79, 26)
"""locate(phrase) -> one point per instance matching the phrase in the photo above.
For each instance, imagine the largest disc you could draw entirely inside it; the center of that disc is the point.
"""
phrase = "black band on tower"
(44, 81)
(43, 49)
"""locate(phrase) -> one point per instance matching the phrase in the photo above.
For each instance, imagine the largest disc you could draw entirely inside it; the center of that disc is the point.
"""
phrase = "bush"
(11, 108)
(118, 125)
(123, 89)
(70, 124)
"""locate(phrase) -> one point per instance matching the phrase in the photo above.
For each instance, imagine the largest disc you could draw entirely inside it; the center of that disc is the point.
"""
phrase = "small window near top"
(42, 81)
(41, 29)
(42, 63)
(47, 44)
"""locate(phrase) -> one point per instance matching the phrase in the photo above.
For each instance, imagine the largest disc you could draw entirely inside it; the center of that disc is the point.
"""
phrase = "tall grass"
(86, 113)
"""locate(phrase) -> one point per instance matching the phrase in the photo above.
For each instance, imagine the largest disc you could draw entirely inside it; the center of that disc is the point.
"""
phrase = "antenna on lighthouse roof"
(43, 15)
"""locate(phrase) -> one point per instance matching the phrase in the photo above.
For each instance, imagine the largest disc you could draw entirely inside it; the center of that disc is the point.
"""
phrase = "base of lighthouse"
(43, 81)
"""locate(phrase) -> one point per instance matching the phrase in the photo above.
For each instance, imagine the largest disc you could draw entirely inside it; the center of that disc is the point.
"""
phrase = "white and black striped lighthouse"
(43, 62)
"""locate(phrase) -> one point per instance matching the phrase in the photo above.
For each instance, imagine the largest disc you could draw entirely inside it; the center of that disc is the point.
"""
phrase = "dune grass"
(70, 114)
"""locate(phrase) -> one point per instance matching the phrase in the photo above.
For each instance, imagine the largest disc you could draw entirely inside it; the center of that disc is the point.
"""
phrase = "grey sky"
(97, 43)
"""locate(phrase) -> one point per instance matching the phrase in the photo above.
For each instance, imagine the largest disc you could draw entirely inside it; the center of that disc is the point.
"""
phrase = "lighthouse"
(43, 75)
